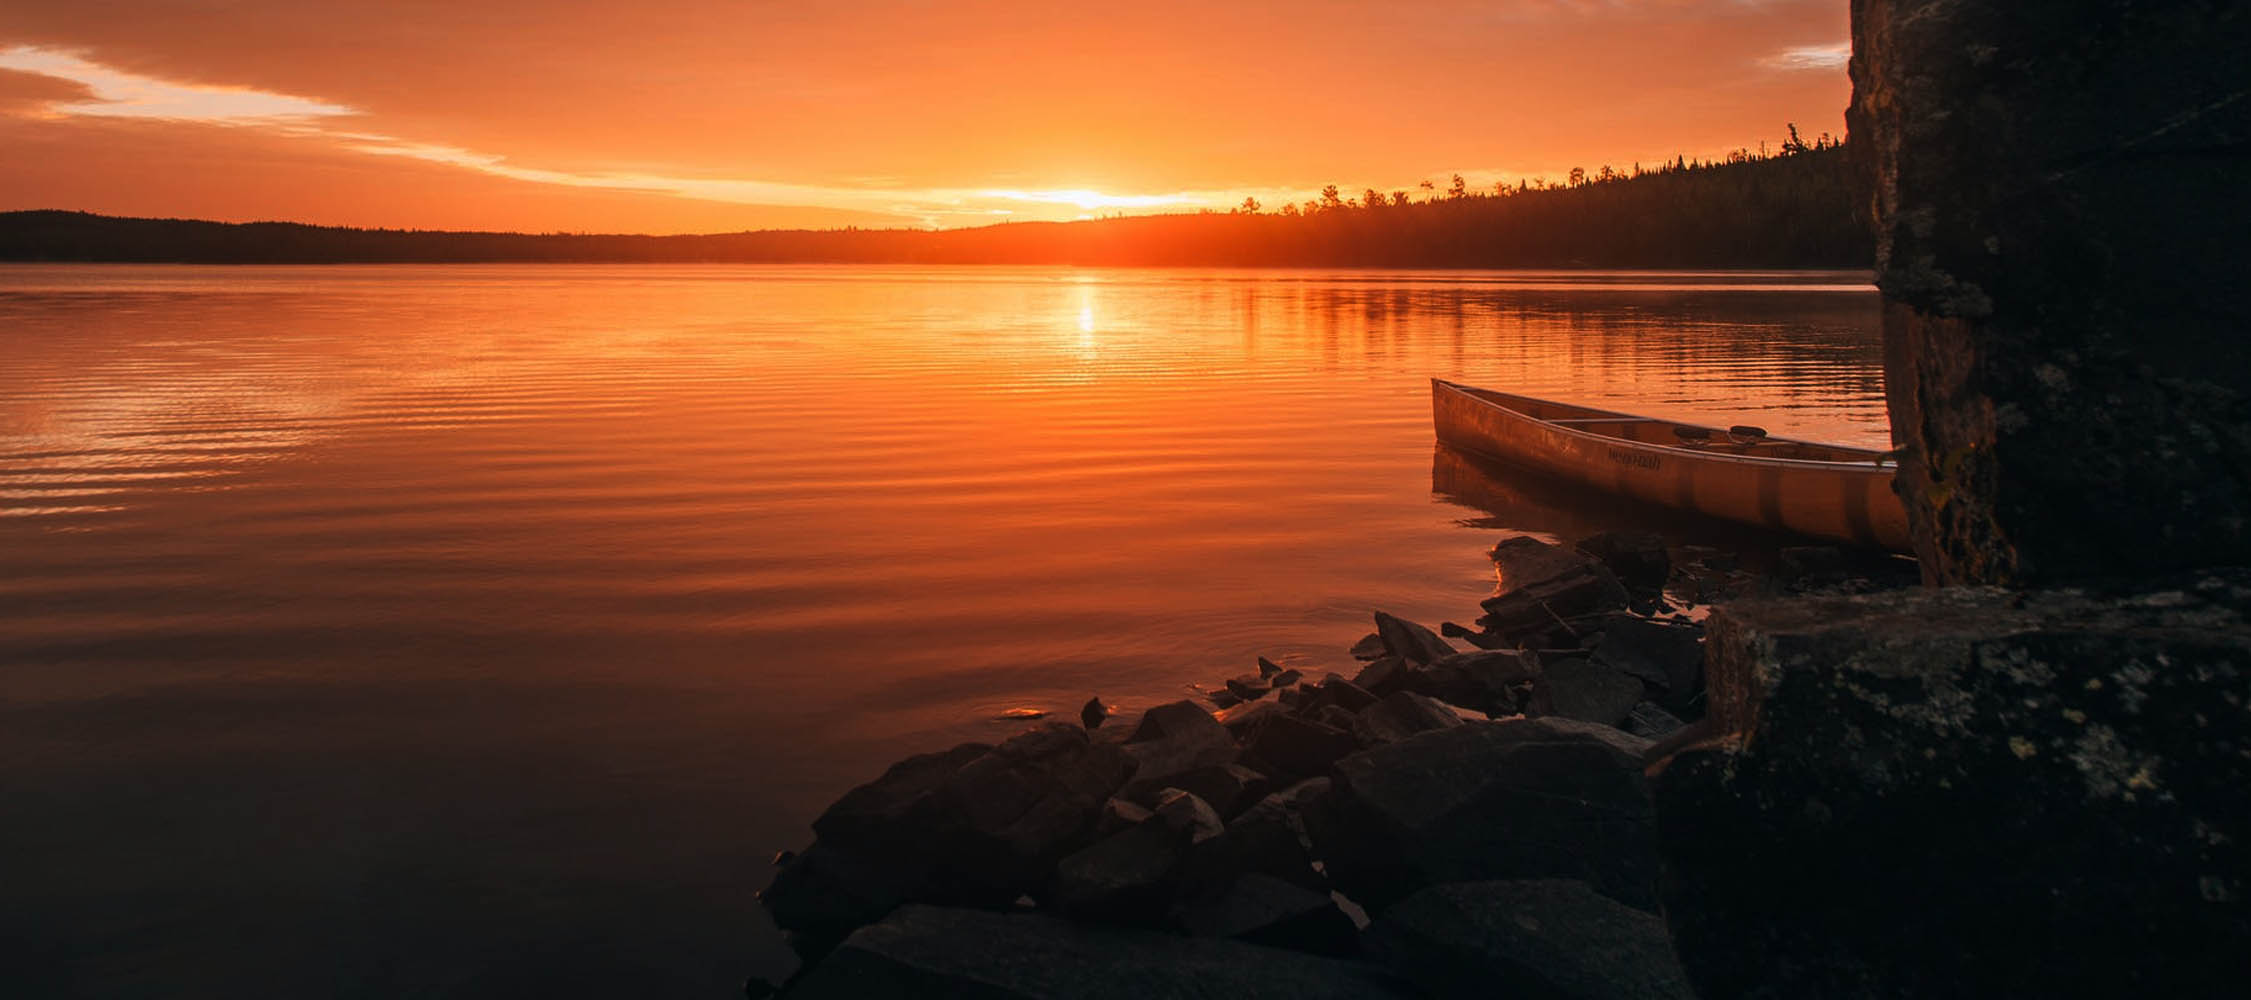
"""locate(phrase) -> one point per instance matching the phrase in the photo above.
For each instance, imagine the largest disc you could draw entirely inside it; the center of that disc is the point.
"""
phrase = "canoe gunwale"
(1875, 463)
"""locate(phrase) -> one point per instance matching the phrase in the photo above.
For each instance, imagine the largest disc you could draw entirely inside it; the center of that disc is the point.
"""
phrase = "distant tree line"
(1794, 207)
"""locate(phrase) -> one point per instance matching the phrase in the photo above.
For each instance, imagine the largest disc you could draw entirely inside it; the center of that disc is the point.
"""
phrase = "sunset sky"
(720, 115)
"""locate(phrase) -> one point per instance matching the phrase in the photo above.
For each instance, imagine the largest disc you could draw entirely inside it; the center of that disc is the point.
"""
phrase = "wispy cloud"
(1810, 57)
(119, 94)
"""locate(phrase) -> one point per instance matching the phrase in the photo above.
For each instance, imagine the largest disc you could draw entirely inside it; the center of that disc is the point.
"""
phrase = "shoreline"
(1321, 830)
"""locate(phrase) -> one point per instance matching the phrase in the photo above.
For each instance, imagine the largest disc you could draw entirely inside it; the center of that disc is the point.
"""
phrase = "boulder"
(1525, 561)
(825, 892)
(1548, 938)
(1399, 716)
(1290, 747)
(1519, 798)
(1227, 788)
(1496, 682)
(973, 824)
(1184, 813)
(1578, 688)
(925, 952)
(1003, 819)
(1286, 678)
(1242, 720)
(1409, 641)
(1369, 647)
(1268, 668)
(1969, 792)
(1262, 909)
(1544, 589)
(1173, 719)
(1335, 690)
(1269, 838)
(1383, 675)
(1127, 877)
(1192, 746)
(1637, 558)
(880, 815)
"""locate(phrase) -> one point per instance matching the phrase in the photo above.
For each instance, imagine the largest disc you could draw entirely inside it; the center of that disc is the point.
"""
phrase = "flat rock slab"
(1969, 792)
(925, 952)
(1540, 938)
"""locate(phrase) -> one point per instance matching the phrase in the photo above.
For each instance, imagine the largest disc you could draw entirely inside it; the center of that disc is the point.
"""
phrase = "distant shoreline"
(1798, 211)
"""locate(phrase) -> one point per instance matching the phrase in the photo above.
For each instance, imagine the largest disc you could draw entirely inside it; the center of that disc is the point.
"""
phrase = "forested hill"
(1793, 210)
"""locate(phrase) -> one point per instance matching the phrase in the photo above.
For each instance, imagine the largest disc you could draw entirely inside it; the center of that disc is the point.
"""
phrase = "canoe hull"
(1841, 501)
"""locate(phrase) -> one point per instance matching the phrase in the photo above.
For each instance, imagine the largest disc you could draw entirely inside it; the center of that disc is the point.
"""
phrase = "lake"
(465, 630)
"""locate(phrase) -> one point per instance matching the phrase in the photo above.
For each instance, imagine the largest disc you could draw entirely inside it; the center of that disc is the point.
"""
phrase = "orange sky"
(715, 115)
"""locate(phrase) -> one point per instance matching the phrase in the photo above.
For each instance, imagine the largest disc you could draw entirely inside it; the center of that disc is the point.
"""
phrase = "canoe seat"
(1694, 437)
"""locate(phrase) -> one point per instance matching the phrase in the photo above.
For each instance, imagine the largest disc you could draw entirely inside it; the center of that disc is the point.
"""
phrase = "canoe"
(1802, 487)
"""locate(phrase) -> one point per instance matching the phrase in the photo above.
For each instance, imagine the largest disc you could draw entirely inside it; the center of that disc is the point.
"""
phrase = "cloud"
(118, 94)
(1810, 57)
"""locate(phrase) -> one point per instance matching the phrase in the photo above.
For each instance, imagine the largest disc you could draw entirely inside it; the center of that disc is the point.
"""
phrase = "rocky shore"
(1446, 819)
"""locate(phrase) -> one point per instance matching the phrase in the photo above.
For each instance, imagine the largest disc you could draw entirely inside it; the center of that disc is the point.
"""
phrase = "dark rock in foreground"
(1547, 590)
(1409, 641)
(1400, 716)
(1288, 746)
(1485, 800)
(1269, 838)
(1667, 657)
(874, 815)
(1262, 909)
(1496, 682)
(1589, 691)
(1550, 939)
(974, 824)
(1969, 793)
(927, 952)
(1127, 877)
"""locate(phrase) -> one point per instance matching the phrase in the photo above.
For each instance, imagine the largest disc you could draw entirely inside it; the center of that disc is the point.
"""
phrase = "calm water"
(405, 631)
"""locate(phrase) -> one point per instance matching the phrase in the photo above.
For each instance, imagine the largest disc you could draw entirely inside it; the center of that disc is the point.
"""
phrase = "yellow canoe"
(1822, 490)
